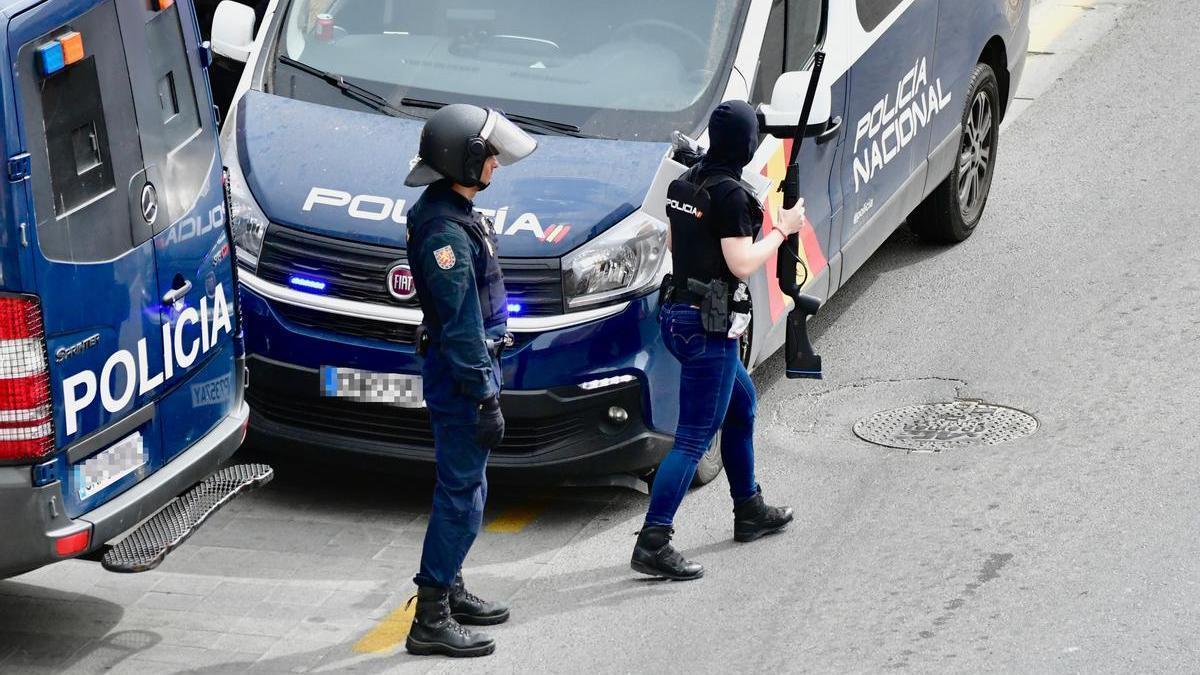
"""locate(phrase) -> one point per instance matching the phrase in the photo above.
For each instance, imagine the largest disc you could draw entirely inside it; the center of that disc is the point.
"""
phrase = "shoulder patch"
(444, 257)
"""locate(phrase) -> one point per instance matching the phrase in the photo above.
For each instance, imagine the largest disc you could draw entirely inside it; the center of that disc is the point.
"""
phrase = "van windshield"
(620, 68)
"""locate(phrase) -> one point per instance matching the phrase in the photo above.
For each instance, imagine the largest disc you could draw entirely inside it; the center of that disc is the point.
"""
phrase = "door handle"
(832, 127)
(176, 294)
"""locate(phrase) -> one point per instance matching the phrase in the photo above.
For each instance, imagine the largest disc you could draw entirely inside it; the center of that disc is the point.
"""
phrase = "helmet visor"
(508, 141)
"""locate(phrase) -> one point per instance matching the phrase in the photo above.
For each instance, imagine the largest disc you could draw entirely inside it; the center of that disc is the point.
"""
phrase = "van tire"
(944, 217)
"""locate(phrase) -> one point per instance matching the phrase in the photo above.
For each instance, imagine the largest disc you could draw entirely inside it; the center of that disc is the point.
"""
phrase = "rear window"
(76, 138)
(83, 144)
(103, 127)
(172, 133)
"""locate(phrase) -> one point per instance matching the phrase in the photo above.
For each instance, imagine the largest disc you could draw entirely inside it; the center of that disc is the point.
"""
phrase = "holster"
(421, 339)
(666, 291)
(714, 307)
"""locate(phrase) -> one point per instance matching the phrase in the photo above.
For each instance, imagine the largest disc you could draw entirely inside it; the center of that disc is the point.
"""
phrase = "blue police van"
(905, 126)
(121, 364)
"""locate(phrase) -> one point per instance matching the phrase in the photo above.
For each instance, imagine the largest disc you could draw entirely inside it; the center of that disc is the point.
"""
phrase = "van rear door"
(195, 275)
(93, 250)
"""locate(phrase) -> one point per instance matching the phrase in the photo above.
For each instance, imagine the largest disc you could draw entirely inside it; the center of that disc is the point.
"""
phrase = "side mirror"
(781, 116)
(233, 30)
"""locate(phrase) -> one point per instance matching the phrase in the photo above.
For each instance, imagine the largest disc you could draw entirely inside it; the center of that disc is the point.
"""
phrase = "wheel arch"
(995, 55)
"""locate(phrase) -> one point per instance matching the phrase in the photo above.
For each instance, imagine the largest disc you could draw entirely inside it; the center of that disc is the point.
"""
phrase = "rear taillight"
(26, 415)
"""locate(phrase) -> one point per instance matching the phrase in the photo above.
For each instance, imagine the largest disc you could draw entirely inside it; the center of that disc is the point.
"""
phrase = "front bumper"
(560, 432)
(553, 425)
(32, 518)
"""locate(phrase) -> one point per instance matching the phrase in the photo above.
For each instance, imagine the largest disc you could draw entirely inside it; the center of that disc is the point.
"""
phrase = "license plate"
(400, 390)
(105, 468)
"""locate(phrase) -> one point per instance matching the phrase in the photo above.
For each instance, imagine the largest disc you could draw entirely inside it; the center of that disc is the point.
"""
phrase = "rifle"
(802, 361)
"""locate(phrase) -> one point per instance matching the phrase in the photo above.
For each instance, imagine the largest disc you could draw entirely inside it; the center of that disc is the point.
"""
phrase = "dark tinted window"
(81, 134)
(793, 33)
(76, 137)
(770, 57)
(871, 13)
(171, 136)
(803, 32)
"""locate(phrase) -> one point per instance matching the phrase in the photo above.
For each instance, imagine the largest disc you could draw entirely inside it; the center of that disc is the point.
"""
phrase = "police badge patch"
(444, 257)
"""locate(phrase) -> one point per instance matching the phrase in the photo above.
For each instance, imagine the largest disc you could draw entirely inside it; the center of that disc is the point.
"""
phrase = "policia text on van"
(121, 360)
(905, 121)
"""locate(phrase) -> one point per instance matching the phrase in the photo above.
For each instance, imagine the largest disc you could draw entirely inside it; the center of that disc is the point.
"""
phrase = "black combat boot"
(754, 519)
(435, 632)
(469, 610)
(654, 555)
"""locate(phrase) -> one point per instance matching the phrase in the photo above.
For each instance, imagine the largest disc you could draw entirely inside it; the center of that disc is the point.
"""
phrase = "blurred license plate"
(105, 468)
(396, 389)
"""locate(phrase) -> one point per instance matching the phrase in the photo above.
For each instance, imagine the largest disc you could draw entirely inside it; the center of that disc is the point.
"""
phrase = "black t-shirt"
(696, 252)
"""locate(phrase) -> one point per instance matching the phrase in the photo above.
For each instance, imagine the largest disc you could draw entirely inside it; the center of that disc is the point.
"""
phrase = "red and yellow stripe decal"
(810, 247)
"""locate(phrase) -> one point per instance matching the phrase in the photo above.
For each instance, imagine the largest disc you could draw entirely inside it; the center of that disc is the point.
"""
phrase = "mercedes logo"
(149, 203)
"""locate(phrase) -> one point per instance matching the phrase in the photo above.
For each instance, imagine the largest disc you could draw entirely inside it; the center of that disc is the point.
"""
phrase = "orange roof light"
(160, 5)
(72, 45)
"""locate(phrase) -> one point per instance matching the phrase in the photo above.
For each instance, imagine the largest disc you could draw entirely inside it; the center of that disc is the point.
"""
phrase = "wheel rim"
(975, 158)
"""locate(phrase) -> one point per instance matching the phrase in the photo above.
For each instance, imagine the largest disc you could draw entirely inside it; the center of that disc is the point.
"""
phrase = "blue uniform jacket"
(452, 253)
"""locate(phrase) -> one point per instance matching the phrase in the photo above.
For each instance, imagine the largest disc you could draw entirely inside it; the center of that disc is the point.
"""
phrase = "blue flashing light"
(50, 58)
(308, 284)
(515, 308)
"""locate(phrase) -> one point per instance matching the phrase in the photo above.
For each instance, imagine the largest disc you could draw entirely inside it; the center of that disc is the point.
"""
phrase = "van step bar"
(146, 547)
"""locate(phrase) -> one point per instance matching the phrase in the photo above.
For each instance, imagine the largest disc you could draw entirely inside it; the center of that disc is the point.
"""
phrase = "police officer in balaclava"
(715, 221)
(452, 252)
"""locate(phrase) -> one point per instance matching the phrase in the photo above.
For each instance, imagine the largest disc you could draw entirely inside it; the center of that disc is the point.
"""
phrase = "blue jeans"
(715, 393)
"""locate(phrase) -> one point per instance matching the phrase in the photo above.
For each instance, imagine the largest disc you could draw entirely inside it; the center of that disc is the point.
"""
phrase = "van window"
(770, 56)
(803, 32)
(621, 68)
(871, 13)
(80, 132)
(793, 34)
(170, 134)
(76, 138)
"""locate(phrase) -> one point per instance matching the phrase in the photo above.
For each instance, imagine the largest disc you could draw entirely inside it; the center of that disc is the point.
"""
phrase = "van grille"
(358, 271)
(302, 408)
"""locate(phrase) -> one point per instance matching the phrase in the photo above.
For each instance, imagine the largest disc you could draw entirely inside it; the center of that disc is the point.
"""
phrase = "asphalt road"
(1072, 550)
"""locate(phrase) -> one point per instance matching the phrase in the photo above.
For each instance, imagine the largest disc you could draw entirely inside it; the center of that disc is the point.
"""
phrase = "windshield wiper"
(552, 126)
(354, 91)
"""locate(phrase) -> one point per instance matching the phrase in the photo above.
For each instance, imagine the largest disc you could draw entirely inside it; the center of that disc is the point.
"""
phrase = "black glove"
(489, 430)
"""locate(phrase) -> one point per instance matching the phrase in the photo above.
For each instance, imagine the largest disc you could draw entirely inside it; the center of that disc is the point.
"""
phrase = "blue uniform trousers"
(461, 490)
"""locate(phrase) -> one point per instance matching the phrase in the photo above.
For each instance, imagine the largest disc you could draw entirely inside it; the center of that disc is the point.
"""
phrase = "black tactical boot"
(435, 632)
(469, 610)
(654, 555)
(754, 519)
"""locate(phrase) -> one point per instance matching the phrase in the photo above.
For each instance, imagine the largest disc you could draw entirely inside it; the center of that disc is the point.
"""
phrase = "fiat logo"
(400, 282)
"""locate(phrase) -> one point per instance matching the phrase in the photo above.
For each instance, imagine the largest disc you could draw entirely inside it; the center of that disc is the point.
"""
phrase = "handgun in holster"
(714, 306)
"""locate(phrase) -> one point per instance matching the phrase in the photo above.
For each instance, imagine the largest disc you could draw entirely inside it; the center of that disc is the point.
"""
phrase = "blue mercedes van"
(121, 370)
(905, 127)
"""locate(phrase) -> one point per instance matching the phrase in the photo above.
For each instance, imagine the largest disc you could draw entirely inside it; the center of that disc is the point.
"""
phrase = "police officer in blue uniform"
(452, 252)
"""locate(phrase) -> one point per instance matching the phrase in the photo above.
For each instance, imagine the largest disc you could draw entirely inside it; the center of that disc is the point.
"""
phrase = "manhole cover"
(934, 427)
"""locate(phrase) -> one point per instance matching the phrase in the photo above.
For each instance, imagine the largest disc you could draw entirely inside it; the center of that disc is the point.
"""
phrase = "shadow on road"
(44, 629)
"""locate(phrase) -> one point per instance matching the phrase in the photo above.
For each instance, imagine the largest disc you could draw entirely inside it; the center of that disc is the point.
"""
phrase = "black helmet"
(458, 138)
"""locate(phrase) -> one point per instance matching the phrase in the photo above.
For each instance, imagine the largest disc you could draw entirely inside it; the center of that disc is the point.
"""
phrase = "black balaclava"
(732, 139)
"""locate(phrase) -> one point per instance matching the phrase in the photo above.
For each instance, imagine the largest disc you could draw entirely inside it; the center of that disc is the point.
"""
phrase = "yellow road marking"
(388, 633)
(515, 519)
(1049, 21)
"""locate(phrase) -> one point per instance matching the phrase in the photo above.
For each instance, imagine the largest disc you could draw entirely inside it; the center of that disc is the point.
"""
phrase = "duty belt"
(495, 346)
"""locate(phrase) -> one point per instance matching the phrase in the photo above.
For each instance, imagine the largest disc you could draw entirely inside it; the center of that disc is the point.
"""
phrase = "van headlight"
(246, 218)
(624, 261)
